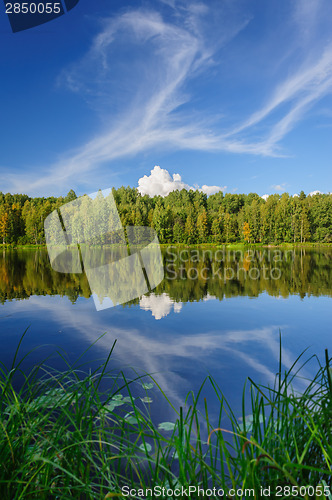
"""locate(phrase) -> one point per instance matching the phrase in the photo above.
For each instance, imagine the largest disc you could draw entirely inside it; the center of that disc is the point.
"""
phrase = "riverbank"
(242, 246)
(62, 437)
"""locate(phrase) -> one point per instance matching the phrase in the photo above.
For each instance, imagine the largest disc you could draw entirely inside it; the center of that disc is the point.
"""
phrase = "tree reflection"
(191, 274)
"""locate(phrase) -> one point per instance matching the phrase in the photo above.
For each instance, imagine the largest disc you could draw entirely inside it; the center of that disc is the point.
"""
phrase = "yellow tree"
(4, 221)
(246, 232)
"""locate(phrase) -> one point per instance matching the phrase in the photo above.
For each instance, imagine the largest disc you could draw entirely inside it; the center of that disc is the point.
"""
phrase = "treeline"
(187, 217)
(22, 218)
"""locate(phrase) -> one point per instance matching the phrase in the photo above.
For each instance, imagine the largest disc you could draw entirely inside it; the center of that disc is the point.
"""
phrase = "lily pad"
(113, 404)
(51, 399)
(117, 397)
(146, 447)
(147, 400)
(166, 426)
(148, 385)
(117, 400)
(131, 418)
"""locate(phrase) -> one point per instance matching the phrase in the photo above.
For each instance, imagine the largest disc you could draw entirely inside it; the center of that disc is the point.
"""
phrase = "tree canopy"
(187, 217)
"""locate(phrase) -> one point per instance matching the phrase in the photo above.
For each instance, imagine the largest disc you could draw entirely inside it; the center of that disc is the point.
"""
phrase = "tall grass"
(62, 437)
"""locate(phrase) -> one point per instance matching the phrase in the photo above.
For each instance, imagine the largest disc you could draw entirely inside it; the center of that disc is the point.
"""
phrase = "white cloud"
(164, 351)
(307, 17)
(314, 192)
(212, 189)
(310, 83)
(160, 182)
(209, 297)
(167, 54)
(279, 187)
(309, 194)
(159, 305)
(142, 106)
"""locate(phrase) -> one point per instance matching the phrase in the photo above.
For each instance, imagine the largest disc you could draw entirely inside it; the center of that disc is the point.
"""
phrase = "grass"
(62, 437)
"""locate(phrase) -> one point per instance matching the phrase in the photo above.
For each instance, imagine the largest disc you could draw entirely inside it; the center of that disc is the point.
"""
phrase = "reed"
(62, 437)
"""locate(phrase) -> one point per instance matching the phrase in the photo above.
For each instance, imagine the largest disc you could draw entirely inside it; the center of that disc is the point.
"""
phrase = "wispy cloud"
(309, 84)
(136, 75)
(153, 83)
(279, 187)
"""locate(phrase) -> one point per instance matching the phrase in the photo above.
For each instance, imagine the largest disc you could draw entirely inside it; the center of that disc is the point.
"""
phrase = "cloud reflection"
(168, 354)
(159, 305)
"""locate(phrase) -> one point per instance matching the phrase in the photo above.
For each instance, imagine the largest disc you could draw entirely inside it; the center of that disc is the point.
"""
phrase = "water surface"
(217, 312)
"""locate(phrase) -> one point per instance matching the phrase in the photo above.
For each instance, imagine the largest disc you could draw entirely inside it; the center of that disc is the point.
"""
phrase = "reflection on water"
(214, 316)
(190, 275)
(159, 305)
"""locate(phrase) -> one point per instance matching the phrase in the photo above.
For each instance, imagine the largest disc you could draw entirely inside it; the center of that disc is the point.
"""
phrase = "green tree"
(34, 222)
(190, 230)
(216, 231)
(71, 196)
(179, 231)
(268, 219)
(304, 226)
(229, 228)
(202, 226)
(162, 222)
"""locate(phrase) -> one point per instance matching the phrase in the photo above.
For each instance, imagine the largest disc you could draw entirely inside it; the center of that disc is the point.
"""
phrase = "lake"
(217, 312)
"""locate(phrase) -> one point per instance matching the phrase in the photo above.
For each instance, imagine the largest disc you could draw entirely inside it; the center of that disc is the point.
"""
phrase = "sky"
(169, 94)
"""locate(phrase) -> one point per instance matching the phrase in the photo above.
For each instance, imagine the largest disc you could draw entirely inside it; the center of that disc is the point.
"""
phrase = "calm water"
(217, 312)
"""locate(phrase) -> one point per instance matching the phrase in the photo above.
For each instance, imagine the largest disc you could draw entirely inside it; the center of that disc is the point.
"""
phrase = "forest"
(187, 217)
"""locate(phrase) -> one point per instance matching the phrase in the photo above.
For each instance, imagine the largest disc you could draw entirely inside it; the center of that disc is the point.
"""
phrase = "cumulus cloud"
(280, 188)
(309, 194)
(160, 182)
(314, 192)
(212, 189)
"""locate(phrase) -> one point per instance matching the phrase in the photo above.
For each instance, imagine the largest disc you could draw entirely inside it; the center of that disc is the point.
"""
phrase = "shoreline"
(308, 245)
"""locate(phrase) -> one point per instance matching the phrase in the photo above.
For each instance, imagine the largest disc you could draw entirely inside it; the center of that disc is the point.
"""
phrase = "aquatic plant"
(62, 437)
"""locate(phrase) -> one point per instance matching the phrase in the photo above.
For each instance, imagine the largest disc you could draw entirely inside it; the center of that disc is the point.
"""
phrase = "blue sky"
(219, 94)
